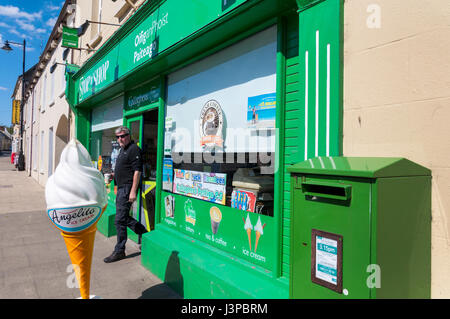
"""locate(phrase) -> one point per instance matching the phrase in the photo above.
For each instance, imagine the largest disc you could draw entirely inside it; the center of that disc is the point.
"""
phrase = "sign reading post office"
(69, 37)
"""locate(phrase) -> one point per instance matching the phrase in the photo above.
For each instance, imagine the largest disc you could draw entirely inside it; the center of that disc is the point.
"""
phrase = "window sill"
(125, 9)
(51, 104)
(95, 41)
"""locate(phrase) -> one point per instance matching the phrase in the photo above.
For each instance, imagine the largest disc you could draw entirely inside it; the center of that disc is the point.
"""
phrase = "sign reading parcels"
(69, 37)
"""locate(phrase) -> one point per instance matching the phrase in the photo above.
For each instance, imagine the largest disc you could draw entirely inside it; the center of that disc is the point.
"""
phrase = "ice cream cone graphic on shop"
(248, 228)
(76, 198)
(259, 231)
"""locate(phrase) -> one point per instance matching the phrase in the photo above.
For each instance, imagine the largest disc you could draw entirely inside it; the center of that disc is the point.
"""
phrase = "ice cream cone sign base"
(76, 198)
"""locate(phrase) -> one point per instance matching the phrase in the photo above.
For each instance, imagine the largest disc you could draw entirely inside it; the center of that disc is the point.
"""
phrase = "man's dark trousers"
(123, 218)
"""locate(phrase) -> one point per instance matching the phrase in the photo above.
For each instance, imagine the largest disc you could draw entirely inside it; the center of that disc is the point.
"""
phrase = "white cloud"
(51, 7)
(51, 22)
(25, 26)
(15, 12)
(30, 27)
(2, 88)
(19, 34)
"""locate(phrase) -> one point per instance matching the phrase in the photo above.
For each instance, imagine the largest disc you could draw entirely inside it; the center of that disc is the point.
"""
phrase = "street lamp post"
(7, 47)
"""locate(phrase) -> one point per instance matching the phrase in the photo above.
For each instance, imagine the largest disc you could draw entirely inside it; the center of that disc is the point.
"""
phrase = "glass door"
(135, 124)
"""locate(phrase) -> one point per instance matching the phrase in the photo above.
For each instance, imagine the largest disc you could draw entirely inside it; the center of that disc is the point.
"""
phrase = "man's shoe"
(114, 257)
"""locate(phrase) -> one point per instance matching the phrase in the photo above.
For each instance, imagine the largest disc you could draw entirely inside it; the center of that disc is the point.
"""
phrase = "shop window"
(220, 126)
(104, 146)
(149, 145)
(104, 150)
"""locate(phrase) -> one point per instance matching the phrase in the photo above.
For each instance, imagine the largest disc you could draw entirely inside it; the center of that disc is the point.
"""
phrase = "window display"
(104, 147)
(220, 126)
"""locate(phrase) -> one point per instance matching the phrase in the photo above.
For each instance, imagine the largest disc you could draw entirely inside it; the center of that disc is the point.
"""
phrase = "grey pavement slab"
(34, 262)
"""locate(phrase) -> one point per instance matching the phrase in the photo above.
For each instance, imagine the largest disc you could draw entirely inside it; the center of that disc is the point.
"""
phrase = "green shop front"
(222, 96)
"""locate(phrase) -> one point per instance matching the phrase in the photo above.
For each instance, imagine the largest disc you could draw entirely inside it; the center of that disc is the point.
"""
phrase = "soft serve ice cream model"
(76, 198)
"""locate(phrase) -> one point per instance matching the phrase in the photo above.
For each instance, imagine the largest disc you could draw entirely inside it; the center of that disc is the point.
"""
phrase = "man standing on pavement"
(127, 175)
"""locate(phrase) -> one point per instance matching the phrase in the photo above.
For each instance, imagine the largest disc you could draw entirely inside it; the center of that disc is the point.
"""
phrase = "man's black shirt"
(128, 161)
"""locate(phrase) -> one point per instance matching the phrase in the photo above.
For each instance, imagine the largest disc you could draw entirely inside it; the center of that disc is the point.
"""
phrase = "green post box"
(360, 228)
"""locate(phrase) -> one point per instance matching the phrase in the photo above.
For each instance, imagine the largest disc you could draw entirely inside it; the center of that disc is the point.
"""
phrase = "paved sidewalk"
(34, 262)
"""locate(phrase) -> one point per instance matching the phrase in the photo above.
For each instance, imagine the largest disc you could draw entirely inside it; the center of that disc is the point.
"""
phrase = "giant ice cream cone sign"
(76, 198)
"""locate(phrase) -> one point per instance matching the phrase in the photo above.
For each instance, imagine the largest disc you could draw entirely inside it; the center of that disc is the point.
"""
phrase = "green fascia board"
(250, 13)
(304, 4)
(368, 167)
(117, 49)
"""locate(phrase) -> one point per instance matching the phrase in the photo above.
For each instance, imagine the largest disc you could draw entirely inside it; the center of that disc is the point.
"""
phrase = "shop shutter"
(108, 115)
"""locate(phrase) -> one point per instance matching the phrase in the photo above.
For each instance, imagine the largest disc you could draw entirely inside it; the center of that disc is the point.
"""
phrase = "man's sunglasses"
(122, 136)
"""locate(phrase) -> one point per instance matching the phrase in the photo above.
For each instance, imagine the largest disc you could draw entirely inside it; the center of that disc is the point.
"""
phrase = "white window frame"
(52, 88)
(34, 152)
(41, 149)
(34, 106)
(44, 93)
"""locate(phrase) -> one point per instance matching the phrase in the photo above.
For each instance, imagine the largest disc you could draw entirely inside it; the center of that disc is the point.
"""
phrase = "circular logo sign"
(74, 219)
(211, 124)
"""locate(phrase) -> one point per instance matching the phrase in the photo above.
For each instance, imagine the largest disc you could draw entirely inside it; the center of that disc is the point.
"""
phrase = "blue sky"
(19, 19)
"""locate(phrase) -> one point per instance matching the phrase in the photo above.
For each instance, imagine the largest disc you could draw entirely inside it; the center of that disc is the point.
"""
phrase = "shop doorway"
(149, 150)
(144, 131)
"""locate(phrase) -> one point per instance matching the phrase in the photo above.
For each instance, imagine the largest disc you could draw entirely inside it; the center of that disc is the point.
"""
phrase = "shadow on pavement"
(160, 291)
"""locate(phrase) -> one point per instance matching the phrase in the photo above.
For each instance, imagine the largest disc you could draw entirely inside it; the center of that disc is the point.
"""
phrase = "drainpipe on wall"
(31, 136)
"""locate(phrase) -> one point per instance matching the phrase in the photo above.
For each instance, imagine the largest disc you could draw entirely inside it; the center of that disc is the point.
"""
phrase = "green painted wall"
(293, 133)
(313, 95)
(321, 79)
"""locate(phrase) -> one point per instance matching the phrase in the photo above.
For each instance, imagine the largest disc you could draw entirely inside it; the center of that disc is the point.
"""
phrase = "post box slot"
(326, 190)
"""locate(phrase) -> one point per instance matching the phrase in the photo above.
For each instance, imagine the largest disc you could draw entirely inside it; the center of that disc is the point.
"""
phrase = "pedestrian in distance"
(127, 175)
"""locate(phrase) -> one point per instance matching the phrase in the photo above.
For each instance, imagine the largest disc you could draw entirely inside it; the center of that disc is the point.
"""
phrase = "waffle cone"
(258, 234)
(249, 233)
(80, 247)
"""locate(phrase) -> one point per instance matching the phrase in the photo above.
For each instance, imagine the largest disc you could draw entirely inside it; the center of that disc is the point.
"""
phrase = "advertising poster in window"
(201, 185)
(243, 200)
(261, 111)
(167, 174)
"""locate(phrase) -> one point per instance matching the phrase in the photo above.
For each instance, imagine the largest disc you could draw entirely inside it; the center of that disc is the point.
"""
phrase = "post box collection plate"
(326, 259)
